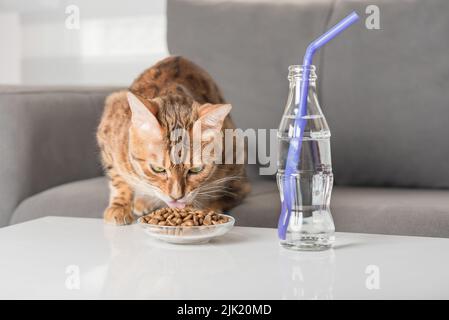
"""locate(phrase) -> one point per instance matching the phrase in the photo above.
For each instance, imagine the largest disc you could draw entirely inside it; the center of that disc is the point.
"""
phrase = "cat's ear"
(212, 116)
(143, 115)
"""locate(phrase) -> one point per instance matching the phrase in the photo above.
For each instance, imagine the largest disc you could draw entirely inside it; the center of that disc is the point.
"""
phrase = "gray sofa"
(384, 94)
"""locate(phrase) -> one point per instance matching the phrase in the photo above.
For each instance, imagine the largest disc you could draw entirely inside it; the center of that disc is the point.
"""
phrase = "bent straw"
(294, 149)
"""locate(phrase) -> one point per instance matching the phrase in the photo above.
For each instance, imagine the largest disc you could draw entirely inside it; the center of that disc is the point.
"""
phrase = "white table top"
(50, 257)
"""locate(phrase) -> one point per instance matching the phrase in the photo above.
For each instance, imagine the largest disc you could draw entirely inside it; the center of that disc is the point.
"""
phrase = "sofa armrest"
(47, 138)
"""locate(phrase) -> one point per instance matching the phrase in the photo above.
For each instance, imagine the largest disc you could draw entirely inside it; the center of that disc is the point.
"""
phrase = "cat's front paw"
(117, 215)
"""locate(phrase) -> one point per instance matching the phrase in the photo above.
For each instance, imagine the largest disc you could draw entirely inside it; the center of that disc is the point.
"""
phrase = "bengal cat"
(135, 139)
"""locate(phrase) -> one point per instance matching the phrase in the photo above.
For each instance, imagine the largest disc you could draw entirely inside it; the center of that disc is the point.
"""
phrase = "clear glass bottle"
(310, 226)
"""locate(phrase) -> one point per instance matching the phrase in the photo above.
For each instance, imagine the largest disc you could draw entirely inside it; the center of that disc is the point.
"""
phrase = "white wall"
(10, 52)
(116, 41)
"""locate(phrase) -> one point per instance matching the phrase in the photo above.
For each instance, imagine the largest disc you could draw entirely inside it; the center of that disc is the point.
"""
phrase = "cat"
(134, 140)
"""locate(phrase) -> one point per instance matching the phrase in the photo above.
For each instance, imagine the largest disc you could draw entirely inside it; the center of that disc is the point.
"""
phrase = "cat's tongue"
(176, 204)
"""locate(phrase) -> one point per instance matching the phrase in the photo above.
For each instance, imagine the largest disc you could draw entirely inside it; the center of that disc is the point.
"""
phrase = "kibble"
(187, 217)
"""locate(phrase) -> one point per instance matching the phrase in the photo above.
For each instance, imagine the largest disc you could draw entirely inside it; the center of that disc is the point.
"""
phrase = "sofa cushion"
(384, 92)
(416, 212)
(86, 198)
(394, 101)
(367, 210)
(250, 45)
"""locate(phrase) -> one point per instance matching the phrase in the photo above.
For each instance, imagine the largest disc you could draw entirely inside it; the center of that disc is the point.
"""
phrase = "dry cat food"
(184, 217)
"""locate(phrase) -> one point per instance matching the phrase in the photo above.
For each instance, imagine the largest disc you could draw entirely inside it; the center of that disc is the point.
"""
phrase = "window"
(80, 42)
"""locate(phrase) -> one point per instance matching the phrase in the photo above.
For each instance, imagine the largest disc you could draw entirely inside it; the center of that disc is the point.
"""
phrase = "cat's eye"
(157, 169)
(196, 169)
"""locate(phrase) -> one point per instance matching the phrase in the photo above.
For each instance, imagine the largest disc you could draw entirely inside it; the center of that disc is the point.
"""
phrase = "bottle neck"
(296, 74)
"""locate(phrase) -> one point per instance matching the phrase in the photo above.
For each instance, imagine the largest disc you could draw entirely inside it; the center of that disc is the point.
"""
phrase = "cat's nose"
(176, 191)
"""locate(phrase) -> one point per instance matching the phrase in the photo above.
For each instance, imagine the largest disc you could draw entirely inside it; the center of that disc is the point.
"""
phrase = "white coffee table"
(83, 258)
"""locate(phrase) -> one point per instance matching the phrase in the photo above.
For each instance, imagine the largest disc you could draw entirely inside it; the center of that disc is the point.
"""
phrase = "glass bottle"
(310, 226)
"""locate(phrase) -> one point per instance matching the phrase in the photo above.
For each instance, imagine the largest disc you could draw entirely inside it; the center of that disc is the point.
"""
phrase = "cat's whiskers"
(216, 189)
(145, 188)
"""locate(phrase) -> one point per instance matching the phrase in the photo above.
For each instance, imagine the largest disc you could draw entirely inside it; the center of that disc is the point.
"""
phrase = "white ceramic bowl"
(187, 235)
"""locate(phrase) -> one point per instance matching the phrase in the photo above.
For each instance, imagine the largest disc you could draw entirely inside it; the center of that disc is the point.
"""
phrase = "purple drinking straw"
(294, 149)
